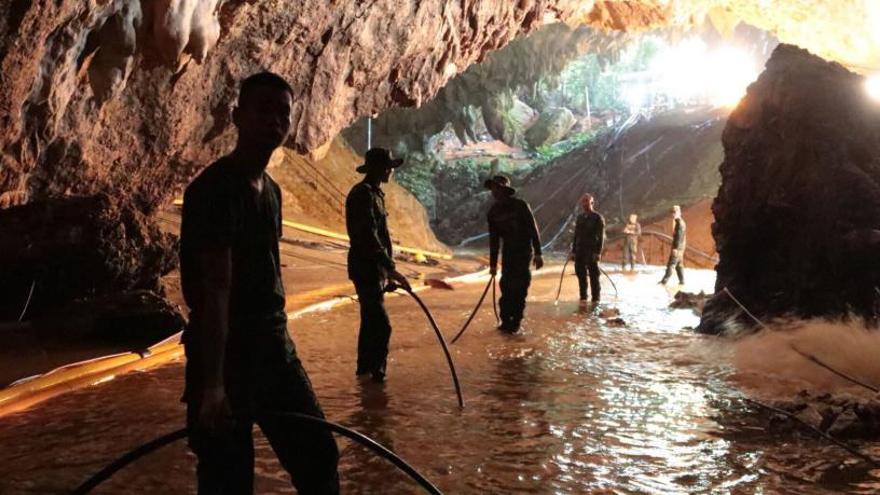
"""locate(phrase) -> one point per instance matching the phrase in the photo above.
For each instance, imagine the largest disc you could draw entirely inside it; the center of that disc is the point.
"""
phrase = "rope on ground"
(442, 343)
(153, 445)
(474, 312)
(841, 374)
(734, 299)
(870, 460)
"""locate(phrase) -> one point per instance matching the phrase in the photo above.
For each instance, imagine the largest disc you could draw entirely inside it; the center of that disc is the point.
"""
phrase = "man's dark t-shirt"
(511, 221)
(221, 209)
(589, 234)
(366, 220)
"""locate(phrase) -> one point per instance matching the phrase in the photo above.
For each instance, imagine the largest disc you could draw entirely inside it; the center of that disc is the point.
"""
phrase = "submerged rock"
(689, 300)
(800, 195)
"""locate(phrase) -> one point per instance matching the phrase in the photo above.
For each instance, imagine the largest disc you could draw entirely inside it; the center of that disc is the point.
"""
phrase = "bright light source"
(730, 72)
(690, 71)
(872, 86)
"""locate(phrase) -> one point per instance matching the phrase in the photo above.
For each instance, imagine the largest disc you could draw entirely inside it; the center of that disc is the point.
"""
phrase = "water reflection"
(575, 404)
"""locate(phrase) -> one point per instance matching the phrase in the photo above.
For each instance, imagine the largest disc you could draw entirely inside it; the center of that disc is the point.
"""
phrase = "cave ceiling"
(132, 97)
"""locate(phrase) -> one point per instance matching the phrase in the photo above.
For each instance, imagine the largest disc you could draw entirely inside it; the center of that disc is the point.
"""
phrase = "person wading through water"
(512, 224)
(586, 248)
(240, 360)
(631, 233)
(679, 244)
(370, 263)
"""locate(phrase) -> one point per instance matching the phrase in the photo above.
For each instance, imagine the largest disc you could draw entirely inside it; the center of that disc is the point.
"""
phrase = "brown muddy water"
(572, 405)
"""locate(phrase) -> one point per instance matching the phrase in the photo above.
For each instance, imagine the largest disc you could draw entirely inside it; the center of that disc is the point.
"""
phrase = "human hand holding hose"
(215, 415)
(399, 279)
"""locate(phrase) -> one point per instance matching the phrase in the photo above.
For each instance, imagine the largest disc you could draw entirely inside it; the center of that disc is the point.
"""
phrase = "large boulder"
(507, 118)
(800, 196)
(69, 248)
(553, 124)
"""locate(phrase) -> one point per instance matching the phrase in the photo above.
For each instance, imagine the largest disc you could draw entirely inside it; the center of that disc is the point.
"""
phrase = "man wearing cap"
(512, 224)
(370, 263)
(586, 248)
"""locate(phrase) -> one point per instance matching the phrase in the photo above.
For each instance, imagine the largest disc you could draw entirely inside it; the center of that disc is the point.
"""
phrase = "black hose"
(442, 344)
(616, 293)
(494, 299)
(561, 274)
(474, 312)
(153, 445)
(126, 459)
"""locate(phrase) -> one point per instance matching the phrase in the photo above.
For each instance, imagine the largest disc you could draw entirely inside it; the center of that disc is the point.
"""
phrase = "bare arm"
(215, 268)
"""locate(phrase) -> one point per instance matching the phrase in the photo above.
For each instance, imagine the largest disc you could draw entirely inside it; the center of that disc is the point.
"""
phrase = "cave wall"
(796, 213)
(132, 97)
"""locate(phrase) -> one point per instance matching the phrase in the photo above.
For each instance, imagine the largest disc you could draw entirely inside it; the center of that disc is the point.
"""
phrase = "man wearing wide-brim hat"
(512, 225)
(370, 261)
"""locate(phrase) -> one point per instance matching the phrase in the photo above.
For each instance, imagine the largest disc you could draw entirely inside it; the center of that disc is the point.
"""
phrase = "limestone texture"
(552, 125)
(799, 203)
(133, 97)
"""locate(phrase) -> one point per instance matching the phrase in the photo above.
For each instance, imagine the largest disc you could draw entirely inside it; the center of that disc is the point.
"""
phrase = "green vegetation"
(598, 77)
(549, 153)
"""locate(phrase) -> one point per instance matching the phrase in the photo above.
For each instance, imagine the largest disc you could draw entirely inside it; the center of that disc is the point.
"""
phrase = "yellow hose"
(342, 237)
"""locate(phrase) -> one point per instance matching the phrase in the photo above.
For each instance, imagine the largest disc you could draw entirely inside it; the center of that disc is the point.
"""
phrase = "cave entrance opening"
(634, 119)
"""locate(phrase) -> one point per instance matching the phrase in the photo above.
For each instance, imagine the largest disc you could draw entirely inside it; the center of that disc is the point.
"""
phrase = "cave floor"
(576, 403)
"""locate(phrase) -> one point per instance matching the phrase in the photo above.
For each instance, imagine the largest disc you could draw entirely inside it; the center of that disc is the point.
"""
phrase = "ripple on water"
(572, 405)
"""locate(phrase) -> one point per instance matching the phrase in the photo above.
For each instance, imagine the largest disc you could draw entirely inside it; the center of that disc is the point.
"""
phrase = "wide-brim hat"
(379, 159)
(501, 182)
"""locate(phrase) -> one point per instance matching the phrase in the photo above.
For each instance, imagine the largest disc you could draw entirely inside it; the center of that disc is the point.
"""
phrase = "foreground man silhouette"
(370, 262)
(241, 361)
(512, 225)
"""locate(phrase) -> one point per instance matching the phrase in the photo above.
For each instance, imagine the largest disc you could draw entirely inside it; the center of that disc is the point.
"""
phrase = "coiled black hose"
(153, 445)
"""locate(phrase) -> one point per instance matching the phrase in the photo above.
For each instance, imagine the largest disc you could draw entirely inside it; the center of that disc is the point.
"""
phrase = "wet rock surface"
(800, 196)
(689, 300)
(840, 417)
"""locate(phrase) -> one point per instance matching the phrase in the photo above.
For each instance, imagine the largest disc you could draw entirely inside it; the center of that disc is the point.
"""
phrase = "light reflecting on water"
(572, 405)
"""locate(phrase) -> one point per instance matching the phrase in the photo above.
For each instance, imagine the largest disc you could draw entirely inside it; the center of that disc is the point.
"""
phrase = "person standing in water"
(586, 248)
(370, 263)
(631, 233)
(241, 365)
(679, 244)
(512, 227)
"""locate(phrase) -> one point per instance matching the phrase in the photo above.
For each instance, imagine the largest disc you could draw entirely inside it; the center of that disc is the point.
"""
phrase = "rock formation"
(130, 98)
(74, 248)
(643, 167)
(486, 89)
(553, 124)
(799, 202)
